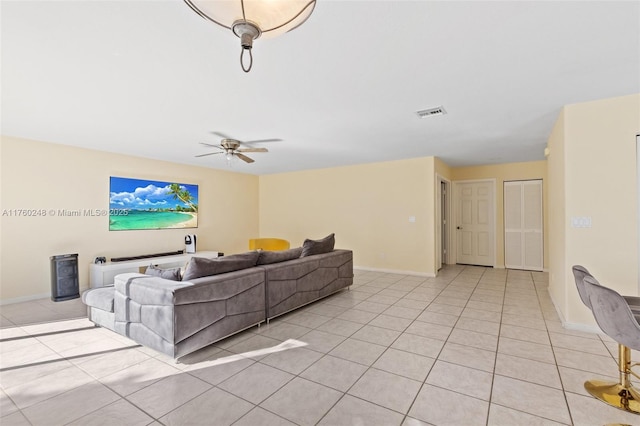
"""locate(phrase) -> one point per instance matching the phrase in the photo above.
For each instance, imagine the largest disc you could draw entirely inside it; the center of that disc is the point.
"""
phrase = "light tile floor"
(472, 346)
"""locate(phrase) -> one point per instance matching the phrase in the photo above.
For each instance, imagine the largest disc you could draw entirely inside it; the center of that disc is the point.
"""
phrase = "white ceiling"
(153, 79)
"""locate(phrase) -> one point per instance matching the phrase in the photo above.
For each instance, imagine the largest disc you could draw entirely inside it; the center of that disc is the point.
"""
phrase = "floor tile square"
(306, 319)
(282, 331)
(418, 345)
(475, 339)
(500, 416)
(340, 327)
(410, 303)
(302, 401)
(534, 399)
(47, 387)
(358, 351)
(321, 341)
(403, 312)
(377, 335)
(199, 410)
(69, 406)
(438, 318)
(604, 365)
(260, 416)
(465, 380)
(589, 411)
(334, 372)
(526, 334)
(443, 308)
(293, 360)
(354, 411)
(121, 412)
(368, 306)
(392, 323)
(528, 370)
(468, 356)
(146, 373)
(220, 367)
(527, 350)
(256, 383)
(406, 364)
(167, 394)
(355, 315)
(439, 406)
(386, 389)
(480, 326)
(425, 329)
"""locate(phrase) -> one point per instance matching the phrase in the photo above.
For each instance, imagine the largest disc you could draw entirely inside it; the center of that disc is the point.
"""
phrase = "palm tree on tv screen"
(182, 195)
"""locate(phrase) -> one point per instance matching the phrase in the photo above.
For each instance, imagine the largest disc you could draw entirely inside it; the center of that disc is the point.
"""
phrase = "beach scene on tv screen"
(147, 204)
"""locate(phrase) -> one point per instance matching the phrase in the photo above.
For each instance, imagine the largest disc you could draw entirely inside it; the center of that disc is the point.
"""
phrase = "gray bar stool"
(615, 318)
(579, 272)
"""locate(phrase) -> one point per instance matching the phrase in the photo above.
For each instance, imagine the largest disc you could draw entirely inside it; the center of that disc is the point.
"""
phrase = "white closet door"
(523, 226)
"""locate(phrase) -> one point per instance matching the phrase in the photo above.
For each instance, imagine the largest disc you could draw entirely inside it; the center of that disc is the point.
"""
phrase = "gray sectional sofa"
(236, 292)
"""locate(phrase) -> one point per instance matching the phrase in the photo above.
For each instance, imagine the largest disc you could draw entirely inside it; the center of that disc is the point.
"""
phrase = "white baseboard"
(25, 299)
(576, 326)
(395, 271)
(582, 327)
(33, 297)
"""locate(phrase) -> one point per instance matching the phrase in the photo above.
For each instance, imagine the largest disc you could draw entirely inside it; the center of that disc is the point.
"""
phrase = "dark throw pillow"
(267, 256)
(325, 245)
(203, 267)
(169, 274)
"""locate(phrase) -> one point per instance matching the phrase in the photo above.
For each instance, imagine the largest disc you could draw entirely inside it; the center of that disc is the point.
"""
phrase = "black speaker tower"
(64, 277)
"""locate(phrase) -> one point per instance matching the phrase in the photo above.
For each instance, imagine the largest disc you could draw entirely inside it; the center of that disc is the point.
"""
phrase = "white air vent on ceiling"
(431, 111)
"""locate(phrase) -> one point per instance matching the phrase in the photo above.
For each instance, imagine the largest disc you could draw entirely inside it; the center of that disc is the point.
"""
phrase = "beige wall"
(557, 222)
(595, 145)
(36, 175)
(367, 206)
(502, 173)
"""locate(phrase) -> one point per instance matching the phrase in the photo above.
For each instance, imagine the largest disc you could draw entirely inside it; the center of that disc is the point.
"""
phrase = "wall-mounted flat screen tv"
(150, 204)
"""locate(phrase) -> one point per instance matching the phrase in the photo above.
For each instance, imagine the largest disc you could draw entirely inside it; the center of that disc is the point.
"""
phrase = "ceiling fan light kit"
(250, 19)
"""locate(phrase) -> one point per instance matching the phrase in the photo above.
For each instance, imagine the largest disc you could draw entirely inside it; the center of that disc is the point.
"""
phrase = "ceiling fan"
(231, 147)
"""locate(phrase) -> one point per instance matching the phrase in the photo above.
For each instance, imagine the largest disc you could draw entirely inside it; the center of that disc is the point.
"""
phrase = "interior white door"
(523, 225)
(475, 223)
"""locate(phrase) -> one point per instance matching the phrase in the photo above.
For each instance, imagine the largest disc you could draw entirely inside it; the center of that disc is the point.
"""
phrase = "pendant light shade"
(250, 19)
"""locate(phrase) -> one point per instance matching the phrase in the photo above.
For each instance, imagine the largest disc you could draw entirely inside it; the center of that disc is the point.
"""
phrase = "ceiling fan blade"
(212, 146)
(222, 135)
(263, 141)
(252, 150)
(244, 158)
(211, 153)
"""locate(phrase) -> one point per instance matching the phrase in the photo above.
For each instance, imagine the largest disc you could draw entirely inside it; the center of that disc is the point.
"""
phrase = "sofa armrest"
(177, 317)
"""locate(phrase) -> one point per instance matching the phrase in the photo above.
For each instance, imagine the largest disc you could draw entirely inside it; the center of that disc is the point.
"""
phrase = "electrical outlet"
(581, 222)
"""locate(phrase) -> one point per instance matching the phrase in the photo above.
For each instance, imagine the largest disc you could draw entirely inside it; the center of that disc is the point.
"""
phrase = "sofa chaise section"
(301, 281)
(179, 317)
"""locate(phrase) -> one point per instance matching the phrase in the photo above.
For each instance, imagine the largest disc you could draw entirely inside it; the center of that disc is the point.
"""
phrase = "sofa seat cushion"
(99, 298)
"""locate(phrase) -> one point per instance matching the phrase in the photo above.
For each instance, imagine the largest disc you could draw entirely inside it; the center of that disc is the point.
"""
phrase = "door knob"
(458, 227)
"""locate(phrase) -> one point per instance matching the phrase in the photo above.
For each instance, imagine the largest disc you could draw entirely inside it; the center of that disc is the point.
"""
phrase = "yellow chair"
(274, 244)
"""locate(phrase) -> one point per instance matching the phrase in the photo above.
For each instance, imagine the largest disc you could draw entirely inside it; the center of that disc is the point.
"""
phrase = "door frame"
(440, 262)
(454, 223)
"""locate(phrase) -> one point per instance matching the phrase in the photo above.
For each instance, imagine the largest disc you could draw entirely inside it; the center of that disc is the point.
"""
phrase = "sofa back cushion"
(325, 245)
(203, 267)
(267, 256)
(172, 274)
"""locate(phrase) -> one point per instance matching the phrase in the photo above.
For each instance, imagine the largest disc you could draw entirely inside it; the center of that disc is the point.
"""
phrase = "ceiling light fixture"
(249, 19)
